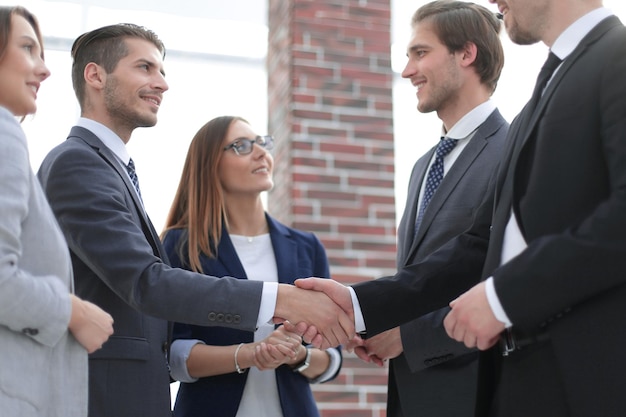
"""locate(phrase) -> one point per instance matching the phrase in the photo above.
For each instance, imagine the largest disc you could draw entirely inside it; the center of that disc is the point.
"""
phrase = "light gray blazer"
(43, 369)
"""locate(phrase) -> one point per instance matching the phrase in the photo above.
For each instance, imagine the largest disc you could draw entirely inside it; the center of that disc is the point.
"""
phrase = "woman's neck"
(246, 218)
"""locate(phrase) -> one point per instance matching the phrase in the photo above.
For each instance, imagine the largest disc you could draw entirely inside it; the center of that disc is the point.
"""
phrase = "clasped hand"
(472, 321)
(324, 305)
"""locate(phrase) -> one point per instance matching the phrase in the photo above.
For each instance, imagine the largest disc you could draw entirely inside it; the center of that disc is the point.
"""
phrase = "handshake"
(322, 309)
(325, 317)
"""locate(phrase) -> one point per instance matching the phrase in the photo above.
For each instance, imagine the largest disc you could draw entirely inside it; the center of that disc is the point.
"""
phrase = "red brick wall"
(330, 110)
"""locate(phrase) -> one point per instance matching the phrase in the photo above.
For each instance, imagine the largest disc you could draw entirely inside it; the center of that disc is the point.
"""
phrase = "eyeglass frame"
(267, 144)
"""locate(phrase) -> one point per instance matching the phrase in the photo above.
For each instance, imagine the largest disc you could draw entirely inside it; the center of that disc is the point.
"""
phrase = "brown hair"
(198, 206)
(106, 47)
(456, 23)
(5, 26)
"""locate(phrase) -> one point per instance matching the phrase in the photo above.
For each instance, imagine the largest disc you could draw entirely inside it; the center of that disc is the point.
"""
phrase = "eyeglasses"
(243, 146)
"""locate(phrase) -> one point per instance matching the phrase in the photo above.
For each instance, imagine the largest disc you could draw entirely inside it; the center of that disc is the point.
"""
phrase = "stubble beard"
(122, 112)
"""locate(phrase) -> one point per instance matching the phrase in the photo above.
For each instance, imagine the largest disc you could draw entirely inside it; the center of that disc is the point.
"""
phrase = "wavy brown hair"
(198, 206)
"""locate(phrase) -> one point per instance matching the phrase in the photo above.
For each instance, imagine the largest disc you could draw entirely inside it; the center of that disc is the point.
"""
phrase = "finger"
(361, 353)
(317, 341)
(310, 334)
(449, 323)
(376, 360)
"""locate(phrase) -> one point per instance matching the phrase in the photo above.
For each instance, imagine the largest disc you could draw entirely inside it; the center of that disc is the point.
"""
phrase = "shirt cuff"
(359, 322)
(268, 303)
(494, 303)
(333, 367)
(179, 353)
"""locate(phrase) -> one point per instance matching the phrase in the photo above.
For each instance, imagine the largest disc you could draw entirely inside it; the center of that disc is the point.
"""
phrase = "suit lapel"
(93, 141)
(406, 229)
(455, 174)
(519, 134)
(283, 244)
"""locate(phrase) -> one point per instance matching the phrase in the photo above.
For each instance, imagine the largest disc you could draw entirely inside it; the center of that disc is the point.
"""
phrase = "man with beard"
(119, 263)
(550, 311)
(454, 60)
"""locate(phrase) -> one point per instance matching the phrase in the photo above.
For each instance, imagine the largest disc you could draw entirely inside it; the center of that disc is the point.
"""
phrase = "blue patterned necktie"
(133, 176)
(435, 175)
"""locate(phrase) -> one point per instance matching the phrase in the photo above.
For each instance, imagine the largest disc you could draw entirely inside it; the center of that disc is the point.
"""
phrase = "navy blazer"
(120, 265)
(298, 255)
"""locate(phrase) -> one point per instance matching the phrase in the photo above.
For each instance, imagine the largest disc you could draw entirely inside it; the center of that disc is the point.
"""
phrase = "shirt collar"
(571, 37)
(108, 137)
(471, 121)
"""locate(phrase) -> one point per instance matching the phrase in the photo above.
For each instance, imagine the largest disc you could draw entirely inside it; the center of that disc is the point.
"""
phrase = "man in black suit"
(119, 263)
(556, 257)
(454, 59)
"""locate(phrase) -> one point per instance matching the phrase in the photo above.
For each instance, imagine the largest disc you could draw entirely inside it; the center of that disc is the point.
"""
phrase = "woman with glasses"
(217, 225)
(45, 331)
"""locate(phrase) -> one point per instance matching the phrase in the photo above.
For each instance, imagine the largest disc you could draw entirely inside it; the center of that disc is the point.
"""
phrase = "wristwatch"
(305, 363)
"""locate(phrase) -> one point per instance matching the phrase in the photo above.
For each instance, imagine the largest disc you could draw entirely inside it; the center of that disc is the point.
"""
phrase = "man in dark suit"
(556, 254)
(119, 263)
(429, 373)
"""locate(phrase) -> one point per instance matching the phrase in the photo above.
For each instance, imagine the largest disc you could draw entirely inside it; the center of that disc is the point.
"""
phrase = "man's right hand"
(331, 323)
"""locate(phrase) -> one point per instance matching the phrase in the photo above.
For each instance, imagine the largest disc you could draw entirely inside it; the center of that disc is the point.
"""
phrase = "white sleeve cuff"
(268, 303)
(494, 303)
(359, 322)
(333, 367)
(179, 353)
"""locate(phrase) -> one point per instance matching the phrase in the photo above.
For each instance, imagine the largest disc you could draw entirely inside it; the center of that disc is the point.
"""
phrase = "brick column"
(330, 111)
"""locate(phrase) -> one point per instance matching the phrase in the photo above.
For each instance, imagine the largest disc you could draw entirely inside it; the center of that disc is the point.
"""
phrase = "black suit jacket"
(565, 179)
(436, 376)
(120, 265)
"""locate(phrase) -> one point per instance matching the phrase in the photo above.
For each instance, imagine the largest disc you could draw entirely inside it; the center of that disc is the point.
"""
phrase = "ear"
(95, 76)
(468, 54)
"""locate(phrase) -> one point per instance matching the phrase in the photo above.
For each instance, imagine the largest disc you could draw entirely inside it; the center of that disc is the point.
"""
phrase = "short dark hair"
(456, 23)
(105, 46)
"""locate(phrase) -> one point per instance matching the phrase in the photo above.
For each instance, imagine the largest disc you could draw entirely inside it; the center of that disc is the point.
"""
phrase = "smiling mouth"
(153, 101)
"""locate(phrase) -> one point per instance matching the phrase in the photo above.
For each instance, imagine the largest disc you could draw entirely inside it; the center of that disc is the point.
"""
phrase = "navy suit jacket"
(436, 375)
(120, 265)
(298, 255)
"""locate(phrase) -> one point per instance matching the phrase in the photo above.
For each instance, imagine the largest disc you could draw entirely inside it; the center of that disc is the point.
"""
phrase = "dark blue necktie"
(133, 176)
(435, 175)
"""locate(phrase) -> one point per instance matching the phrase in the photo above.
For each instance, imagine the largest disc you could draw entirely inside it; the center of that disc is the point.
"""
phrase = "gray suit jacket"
(120, 265)
(436, 376)
(43, 369)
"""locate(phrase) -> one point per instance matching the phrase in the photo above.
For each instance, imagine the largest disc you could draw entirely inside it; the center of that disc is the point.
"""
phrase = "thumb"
(308, 283)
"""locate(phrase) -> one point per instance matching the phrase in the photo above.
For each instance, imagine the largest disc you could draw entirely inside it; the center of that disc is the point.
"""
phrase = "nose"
(160, 83)
(409, 70)
(42, 70)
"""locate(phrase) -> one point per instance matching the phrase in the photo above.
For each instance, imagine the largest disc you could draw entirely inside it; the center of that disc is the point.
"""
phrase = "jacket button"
(220, 317)
(228, 318)
(212, 316)
(30, 332)
(236, 319)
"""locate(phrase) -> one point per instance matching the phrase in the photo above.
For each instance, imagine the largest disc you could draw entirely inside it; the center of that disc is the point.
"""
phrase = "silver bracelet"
(239, 370)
